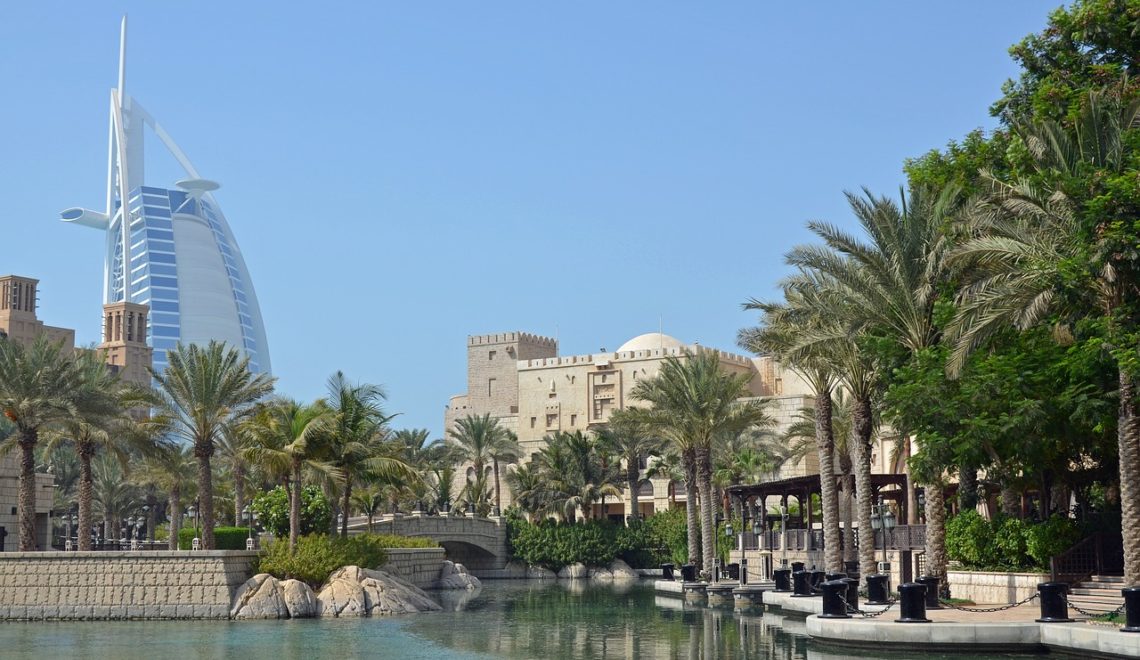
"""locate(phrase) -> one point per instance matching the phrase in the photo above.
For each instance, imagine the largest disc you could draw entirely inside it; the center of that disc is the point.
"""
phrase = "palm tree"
(171, 469)
(1031, 253)
(37, 383)
(479, 440)
(528, 489)
(576, 472)
(368, 501)
(630, 440)
(231, 446)
(203, 390)
(668, 466)
(289, 436)
(781, 333)
(887, 286)
(693, 401)
(357, 435)
(113, 495)
(101, 421)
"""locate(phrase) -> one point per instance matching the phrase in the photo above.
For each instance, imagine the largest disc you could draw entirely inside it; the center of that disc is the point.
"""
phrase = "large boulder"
(299, 599)
(540, 573)
(259, 598)
(455, 576)
(601, 574)
(574, 572)
(343, 594)
(622, 571)
(388, 594)
(514, 569)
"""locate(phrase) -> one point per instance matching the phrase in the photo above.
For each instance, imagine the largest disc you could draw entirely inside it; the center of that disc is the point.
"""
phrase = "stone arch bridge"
(480, 544)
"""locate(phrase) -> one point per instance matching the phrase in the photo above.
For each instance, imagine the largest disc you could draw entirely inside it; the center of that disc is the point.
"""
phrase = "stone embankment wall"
(990, 588)
(420, 566)
(121, 585)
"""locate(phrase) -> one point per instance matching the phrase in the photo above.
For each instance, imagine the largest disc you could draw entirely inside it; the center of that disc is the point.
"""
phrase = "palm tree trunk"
(86, 486)
(861, 446)
(828, 493)
(498, 499)
(708, 529)
(27, 505)
(346, 506)
(936, 531)
(1010, 501)
(967, 488)
(1128, 443)
(631, 474)
(151, 512)
(850, 553)
(295, 507)
(175, 506)
(203, 450)
(692, 519)
(239, 494)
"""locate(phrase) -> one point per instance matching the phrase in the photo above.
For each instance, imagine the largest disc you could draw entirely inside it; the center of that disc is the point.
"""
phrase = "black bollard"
(801, 584)
(912, 603)
(817, 578)
(743, 571)
(733, 571)
(931, 582)
(877, 589)
(1054, 602)
(852, 593)
(833, 600)
(1131, 609)
(836, 576)
(688, 573)
(667, 572)
(797, 566)
(783, 579)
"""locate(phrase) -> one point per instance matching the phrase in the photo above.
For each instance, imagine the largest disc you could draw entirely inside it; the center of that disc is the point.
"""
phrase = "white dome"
(650, 341)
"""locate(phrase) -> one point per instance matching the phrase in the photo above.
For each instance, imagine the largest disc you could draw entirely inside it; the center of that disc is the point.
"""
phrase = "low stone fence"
(984, 587)
(420, 566)
(121, 585)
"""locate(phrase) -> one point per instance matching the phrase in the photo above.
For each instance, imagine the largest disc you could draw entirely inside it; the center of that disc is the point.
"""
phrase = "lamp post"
(884, 520)
(784, 533)
(192, 511)
(247, 518)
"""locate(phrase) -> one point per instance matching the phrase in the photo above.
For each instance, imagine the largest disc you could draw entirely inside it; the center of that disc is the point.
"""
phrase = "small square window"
(533, 420)
(573, 420)
(491, 355)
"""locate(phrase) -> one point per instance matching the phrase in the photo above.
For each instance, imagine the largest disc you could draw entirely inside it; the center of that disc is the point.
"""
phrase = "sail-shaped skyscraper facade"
(170, 247)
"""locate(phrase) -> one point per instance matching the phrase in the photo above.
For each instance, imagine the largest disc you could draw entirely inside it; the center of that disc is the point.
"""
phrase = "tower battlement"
(510, 338)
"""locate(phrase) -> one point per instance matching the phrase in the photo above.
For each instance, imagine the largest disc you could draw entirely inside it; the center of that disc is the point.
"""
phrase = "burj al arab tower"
(170, 248)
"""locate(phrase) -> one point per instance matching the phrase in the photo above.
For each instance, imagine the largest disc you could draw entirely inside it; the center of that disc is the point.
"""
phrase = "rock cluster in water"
(349, 592)
(617, 570)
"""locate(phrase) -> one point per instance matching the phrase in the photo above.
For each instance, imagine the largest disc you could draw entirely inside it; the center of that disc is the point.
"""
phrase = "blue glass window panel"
(160, 269)
(150, 189)
(158, 213)
(160, 246)
(164, 319)
(164, 294)
(162, 258)
(164, 306)
(160, 343)
(164, 331)
(159, 223)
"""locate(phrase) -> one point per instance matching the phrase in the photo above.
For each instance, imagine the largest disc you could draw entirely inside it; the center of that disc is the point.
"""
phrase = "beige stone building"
(126, 351)
(520, 379)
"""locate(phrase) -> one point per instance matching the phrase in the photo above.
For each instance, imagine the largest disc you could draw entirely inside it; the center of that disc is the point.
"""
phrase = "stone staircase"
(1100, 593)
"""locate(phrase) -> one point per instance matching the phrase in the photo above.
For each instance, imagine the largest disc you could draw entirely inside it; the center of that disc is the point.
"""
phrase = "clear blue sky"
(401, 175)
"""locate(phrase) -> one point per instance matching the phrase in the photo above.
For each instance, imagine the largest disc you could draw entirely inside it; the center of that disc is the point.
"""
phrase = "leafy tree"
(273, 509)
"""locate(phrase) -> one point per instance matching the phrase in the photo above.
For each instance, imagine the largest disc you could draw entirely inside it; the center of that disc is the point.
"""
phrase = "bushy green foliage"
(669, 530)
(593, 543)
(272, 510)
(1007, 544)
(970, 540)
(225, 538)
(318, 555)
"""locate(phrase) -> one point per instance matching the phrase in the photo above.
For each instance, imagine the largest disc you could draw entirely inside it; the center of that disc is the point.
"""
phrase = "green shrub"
(272, 509)
(318, 555)
(225, 538)
(970, 540)
(593, 543)
(1010, 541)
(1050, 538)
(669, 530)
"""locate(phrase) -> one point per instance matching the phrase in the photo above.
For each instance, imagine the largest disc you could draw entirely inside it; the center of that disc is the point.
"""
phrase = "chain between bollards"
(1092, 614)
(984, 610)
(866, 615)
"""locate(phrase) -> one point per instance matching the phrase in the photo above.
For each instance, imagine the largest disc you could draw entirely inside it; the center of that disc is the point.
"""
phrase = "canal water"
(505, 619)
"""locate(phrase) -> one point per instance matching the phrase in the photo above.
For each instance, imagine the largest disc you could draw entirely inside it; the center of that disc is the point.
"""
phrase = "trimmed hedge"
(1007, 544)
(594, 543)
(225, 538)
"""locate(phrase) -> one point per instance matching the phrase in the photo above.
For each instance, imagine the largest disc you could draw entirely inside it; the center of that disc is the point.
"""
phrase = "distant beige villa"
(520, 379)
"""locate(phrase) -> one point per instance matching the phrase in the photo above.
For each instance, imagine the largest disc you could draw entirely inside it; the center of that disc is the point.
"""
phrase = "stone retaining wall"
(984, 587)
(420, 566)
(121, 585)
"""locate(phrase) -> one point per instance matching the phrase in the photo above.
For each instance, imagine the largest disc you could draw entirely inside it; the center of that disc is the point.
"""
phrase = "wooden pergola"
(889, 487)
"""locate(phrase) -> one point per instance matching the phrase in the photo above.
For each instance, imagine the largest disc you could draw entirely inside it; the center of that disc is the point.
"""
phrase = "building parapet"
(592, 358)
(504, 337)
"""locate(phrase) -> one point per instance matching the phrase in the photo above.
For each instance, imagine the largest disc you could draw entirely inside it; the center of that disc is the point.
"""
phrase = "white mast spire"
(122, 61)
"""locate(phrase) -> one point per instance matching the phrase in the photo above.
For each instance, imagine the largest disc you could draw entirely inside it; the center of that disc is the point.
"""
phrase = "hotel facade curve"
(170, 247)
